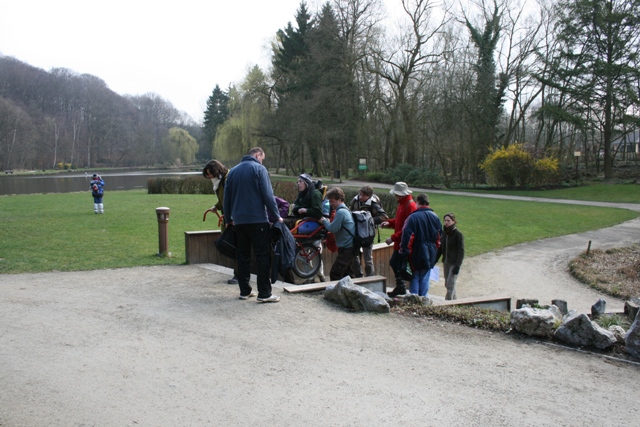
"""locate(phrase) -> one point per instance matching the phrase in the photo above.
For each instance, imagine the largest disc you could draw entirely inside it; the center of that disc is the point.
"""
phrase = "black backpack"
(365, 229)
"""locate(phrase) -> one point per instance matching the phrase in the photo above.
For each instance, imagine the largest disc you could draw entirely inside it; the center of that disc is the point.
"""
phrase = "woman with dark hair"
(217, 173)
(452, 251)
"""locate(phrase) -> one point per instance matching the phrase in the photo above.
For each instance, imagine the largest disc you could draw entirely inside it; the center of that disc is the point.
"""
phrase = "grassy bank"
(48, 232)
(615, 193)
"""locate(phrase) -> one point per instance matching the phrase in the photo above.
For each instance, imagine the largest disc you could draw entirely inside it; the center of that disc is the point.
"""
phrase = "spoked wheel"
(307, 261)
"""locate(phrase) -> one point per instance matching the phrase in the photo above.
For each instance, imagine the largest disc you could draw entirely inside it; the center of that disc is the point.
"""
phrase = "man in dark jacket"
(424, 226)
(367, 201)
(248, 205)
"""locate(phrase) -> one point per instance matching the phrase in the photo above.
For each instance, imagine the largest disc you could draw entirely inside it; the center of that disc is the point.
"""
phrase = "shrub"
(412, 175)
(378, 177)
(400, 173)
(546, 171)
(514, 167)
(188, 185)
(286, 190)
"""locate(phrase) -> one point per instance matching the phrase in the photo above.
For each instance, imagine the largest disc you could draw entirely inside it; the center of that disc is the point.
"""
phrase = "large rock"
(533, 321)
(580, 330)
(525, 302)
(631, 308)
(356, 297)
(562, 305)
(599, 308)
(632, 339)
(618, 332)
(557, 313)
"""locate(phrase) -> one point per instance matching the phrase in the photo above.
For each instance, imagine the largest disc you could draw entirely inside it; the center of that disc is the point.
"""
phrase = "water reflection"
(79, 181)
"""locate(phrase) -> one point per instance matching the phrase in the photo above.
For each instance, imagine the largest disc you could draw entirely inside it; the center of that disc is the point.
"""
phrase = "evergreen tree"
(598, 62)
(293, 83)
(215, 115)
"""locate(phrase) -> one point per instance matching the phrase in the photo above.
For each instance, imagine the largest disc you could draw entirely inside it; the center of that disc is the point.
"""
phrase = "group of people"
(419, 243)
(245, 197)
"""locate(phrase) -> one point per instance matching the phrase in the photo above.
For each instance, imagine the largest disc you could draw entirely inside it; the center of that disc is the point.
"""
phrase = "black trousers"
(256, 237)
(343, 265)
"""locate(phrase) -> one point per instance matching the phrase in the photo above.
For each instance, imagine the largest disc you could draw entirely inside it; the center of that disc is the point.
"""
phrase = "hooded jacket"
(372, 205)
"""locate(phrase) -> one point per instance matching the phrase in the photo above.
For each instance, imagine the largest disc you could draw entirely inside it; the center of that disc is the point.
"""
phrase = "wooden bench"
(373, 283)
(501, 303)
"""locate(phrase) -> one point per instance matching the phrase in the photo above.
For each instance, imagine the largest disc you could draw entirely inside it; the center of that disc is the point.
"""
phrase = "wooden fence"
(200, 249)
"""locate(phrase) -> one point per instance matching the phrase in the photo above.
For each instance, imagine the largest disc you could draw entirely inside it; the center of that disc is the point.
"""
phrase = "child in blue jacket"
(97, 191)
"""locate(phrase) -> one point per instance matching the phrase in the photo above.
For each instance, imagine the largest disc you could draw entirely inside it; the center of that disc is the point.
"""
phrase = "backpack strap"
(342, 226)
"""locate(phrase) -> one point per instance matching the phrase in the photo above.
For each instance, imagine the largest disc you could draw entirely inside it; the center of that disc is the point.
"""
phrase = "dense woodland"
(438, 90)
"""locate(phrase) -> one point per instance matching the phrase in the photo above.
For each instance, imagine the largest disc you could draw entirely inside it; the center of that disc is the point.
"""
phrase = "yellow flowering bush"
(512, 166)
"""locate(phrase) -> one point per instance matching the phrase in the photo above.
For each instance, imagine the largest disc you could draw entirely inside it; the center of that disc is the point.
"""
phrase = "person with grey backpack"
(365, 200)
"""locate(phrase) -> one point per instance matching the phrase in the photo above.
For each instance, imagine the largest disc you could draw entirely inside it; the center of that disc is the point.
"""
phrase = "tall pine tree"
(215, 115)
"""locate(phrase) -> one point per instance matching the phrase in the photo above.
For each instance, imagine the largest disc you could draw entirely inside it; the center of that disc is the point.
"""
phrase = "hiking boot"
(272, 298)
(251, 295)
(233, 281)
(400, 289)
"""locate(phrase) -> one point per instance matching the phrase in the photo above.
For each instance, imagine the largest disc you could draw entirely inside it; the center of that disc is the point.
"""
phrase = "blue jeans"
(256, 237)
(420, 282)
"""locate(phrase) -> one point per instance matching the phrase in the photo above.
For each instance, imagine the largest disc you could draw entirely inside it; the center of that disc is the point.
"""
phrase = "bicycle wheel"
(307, 261)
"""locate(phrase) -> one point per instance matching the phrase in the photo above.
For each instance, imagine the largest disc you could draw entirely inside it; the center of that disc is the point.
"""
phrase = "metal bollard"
(163, 218)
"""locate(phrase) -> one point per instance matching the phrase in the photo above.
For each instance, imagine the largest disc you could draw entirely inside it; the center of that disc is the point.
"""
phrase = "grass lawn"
(49, 232)
(617, 193)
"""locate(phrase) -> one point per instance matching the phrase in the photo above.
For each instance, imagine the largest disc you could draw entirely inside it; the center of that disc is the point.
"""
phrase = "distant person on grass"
(452, 251)
(97, 191)
(248, 204)
(217, 173)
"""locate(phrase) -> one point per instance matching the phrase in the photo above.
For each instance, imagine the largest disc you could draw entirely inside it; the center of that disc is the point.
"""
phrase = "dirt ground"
(174, 346)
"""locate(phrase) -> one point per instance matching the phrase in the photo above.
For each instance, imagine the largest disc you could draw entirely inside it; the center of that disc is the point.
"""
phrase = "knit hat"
(307, 179)
(400, 189)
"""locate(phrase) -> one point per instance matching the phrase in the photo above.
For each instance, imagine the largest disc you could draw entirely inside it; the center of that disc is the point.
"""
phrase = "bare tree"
(400, 65)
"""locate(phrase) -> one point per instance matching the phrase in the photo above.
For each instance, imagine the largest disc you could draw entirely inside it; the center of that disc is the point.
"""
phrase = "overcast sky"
(177, 49)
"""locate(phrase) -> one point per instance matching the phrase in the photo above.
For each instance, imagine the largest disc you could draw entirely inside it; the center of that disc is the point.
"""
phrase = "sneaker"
(233, 281)
(251, 295)
(272, 298)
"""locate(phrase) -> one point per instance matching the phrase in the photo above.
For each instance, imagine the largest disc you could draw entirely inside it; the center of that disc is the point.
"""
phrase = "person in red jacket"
(406, 206)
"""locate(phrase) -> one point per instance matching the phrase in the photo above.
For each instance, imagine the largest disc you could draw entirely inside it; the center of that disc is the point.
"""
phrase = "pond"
(79, 181)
